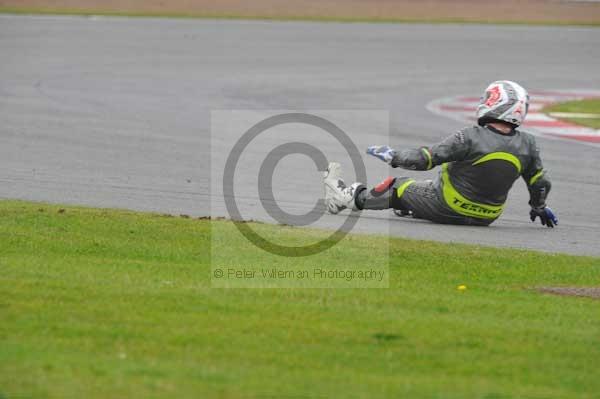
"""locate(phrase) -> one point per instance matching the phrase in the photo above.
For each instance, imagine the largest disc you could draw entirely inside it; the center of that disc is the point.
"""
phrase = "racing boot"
(338, 196)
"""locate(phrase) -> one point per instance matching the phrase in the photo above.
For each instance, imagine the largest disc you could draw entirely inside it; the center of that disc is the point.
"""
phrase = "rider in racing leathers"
(479, 166)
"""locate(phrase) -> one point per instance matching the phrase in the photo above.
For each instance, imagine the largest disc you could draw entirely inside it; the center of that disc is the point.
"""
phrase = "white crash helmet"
(504, 101)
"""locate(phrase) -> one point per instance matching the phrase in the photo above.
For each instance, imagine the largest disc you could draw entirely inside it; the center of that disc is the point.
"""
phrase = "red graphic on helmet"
(493, 96)
(519, 109)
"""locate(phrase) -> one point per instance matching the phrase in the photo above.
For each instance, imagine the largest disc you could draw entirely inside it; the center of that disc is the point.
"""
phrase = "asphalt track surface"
(116, 112)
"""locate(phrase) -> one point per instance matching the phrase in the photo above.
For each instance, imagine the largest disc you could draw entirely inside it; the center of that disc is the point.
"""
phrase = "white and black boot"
(338, 196)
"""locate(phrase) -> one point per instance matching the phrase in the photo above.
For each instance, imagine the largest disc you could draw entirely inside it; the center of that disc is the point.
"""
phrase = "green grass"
(110, 304)
(591, 106)
(349, 19)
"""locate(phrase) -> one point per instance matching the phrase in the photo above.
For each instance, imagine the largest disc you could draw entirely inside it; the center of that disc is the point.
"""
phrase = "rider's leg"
(418, 198)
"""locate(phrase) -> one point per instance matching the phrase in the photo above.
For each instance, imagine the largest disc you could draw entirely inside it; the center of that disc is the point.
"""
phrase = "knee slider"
(379, 197)
(383, 187)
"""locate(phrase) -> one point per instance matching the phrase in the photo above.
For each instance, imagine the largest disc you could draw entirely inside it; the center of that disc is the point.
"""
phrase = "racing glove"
(383, 152)
(547, 217)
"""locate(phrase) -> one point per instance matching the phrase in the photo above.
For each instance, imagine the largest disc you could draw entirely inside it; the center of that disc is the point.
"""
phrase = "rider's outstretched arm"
(453, 148)
(536, 178)
(539, 186)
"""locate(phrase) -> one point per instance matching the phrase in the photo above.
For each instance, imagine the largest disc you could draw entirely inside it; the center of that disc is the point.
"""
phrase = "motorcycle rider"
(479, 165)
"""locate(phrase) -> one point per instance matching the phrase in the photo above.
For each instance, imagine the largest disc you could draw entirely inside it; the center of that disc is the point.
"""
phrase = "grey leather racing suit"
(478, 168)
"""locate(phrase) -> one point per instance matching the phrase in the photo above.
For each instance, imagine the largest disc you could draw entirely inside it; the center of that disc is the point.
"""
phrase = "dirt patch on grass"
(590, 292)
(533, 11)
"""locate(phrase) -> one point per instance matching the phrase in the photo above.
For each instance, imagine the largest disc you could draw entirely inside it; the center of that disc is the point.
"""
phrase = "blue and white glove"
(547, 217)
(383, 152)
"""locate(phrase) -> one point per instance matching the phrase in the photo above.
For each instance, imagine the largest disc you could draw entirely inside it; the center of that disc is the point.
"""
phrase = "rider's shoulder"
(474, 129)
(466, 133)
(527, 137)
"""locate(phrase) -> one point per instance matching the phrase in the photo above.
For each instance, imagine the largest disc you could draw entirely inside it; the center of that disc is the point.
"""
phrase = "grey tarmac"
(116, 112)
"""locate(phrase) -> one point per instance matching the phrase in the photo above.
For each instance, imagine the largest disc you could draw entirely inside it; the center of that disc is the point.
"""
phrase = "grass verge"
(103, 303)
(591, 106)
(309, 18)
